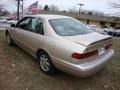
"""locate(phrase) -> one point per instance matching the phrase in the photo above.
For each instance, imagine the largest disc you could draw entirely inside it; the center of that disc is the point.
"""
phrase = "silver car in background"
(61, 42)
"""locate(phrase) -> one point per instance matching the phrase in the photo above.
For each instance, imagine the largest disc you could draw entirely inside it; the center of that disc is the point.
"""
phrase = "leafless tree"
(114, 4)
(54, 8)
(73, 10)
(1, 6)
(39, 7)
(97, 13)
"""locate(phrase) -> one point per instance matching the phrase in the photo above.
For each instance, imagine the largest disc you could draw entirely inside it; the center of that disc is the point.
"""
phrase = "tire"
(45, 63)
(9, 40)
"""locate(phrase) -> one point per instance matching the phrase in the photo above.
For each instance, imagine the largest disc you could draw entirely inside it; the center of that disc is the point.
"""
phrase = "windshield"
(69, 27)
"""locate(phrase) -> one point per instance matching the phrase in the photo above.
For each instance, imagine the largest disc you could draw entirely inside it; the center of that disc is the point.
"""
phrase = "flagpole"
(37, 8)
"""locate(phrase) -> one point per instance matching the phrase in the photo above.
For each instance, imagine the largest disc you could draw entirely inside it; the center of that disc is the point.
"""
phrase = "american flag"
(33, 7)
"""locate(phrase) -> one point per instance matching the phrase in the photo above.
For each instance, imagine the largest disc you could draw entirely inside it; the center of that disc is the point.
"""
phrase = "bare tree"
(114, 4)
(1, 9)
(54, 8)
(40, 7)
(97, 13)
(3, 12)
(73, 10)
(1, 6)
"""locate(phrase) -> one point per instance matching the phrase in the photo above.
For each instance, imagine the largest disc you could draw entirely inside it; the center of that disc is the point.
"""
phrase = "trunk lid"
(93, 41)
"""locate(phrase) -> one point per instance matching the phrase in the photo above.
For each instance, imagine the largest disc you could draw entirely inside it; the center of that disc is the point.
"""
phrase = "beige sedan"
(61, 42)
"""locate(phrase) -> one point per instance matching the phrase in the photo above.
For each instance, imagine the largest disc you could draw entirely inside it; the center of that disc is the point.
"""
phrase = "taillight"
(85, 55)
(76, 55)
(108, 46)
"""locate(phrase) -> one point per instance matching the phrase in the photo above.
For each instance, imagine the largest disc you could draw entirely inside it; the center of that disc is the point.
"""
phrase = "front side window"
(36, 26)
(69, 27)
(23, 23)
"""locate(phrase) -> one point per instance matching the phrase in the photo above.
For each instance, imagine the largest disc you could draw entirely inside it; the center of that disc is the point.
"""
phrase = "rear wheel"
(8, 39)
(45, 63)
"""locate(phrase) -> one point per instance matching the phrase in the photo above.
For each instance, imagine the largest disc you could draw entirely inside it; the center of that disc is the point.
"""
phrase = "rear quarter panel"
(62, 49)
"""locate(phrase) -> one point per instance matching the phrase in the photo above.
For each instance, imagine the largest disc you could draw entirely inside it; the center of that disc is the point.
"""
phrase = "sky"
(96, 5)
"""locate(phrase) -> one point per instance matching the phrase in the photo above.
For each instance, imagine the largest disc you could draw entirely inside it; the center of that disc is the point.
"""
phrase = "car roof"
(49, 16)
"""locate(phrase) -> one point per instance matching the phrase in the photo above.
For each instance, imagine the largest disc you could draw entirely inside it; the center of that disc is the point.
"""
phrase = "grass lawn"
(20, 71)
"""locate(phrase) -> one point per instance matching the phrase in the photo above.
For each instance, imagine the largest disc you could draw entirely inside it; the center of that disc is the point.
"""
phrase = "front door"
(34, 35)
(20, 30)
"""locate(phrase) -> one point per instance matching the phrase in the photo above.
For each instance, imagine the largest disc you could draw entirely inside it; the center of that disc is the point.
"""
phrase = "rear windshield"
(69, 27)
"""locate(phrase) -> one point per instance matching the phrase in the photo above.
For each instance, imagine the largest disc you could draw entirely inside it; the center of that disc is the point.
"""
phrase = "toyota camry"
(61, 42)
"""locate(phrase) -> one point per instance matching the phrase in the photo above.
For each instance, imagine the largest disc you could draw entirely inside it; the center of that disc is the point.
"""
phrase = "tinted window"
(36, 26)
(23, 23)
(69, 27)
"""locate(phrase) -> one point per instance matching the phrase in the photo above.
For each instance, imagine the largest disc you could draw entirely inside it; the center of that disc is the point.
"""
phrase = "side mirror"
(12, 25)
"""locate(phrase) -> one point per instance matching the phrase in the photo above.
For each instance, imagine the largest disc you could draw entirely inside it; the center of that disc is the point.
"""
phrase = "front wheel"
(45, 63)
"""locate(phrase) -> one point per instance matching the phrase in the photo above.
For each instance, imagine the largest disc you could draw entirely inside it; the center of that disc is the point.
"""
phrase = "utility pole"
(80, 8)
(22, 8)
(18, 4)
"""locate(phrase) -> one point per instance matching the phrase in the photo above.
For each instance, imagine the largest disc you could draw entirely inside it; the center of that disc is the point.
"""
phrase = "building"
(99, 21)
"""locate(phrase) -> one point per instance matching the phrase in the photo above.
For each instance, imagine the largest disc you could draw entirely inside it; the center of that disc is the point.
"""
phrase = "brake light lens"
(76, 55)
(85, 55)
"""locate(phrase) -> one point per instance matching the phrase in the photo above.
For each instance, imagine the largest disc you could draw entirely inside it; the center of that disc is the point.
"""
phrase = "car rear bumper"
(86, 69)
